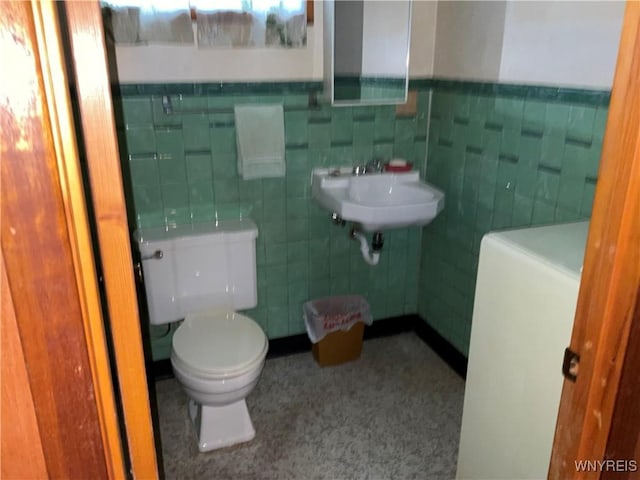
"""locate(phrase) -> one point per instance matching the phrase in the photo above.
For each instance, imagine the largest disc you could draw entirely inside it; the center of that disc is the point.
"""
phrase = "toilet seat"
(218, 344)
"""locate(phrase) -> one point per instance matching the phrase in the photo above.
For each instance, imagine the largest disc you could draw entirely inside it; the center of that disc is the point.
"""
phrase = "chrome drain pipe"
(370, 255)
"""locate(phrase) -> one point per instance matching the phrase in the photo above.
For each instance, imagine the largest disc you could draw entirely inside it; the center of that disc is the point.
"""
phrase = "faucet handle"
(359, 170)
(374, 166)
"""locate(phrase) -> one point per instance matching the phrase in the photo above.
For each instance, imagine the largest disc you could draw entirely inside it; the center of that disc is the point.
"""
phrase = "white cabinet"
(525, 302)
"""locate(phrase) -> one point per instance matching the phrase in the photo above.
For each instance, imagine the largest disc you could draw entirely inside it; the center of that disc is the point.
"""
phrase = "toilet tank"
(200, 267)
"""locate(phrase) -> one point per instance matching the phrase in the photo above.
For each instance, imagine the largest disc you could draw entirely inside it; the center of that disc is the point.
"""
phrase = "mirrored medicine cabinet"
(366, 51)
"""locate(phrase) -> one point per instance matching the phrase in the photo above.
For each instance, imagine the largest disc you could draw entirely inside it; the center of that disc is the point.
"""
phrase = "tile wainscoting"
(505, 155)
(182, 169)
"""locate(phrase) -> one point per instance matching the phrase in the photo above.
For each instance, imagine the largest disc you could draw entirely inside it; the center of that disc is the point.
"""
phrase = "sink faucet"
(372, 166)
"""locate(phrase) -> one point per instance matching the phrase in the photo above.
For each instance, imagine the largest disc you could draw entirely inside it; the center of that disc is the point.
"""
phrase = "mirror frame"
(328, 20)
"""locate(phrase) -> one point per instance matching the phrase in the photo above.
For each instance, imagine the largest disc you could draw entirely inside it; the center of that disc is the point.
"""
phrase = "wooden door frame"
(624, 436)
(93, 90)
(50, 293)
(610, 283)
(48, 257)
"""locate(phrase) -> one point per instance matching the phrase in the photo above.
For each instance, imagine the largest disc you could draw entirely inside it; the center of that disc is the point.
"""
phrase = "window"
(218, 23)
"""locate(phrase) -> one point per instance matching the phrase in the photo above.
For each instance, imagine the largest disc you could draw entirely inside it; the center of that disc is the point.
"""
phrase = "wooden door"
(21, 452)
(93, 89)
(608, 294)
(59, 415)
(58, 408)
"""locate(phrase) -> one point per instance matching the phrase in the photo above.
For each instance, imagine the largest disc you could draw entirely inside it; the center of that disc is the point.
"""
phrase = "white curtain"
(251, 23)
(220, 23)
(150, 21)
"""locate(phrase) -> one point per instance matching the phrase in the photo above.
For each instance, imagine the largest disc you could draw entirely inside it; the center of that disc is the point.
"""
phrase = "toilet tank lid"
(245, 226)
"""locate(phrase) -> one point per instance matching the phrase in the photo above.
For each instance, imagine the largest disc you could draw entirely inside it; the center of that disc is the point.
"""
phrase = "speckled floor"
(393, 414)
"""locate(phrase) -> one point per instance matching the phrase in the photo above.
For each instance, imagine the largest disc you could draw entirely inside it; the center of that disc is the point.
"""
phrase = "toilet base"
(222, 426)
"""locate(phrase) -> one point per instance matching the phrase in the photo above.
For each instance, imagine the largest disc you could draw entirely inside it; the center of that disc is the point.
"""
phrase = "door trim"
(56, 81)
(40, 255)
(611, 274)
(105, 175)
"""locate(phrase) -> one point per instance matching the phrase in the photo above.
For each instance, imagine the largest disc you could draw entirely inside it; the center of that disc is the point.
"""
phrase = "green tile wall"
(506, 156)
(183, 170)
(504, 161)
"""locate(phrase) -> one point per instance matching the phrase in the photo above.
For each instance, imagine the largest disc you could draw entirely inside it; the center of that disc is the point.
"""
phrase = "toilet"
(203, 274)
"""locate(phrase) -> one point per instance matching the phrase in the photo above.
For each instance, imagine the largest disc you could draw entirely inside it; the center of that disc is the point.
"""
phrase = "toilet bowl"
(200, 274)
(217, 357)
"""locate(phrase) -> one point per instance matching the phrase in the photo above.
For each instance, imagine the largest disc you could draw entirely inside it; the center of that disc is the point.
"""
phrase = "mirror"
(367, 51)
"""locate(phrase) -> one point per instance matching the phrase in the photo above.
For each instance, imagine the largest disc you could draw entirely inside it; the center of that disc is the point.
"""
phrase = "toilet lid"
(219, 342)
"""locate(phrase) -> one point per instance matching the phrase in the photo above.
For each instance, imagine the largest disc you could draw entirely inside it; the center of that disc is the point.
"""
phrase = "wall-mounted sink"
(377, 201)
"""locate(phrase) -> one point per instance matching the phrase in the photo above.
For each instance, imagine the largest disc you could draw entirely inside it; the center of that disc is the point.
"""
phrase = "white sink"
(377, 201)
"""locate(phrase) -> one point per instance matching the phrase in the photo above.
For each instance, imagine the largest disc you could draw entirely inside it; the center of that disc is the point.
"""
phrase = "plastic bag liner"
(326, 315)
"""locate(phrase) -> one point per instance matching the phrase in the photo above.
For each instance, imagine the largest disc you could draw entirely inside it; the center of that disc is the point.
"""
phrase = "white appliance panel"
(525, 302)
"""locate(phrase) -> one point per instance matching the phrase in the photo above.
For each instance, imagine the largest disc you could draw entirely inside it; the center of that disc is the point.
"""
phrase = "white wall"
(385, 38)
(469, 39)
(561, 43)
(159, 63)
(423, 38)
(555, 43)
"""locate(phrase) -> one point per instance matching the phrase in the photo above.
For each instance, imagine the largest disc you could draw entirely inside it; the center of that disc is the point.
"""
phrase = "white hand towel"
(260, 140)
